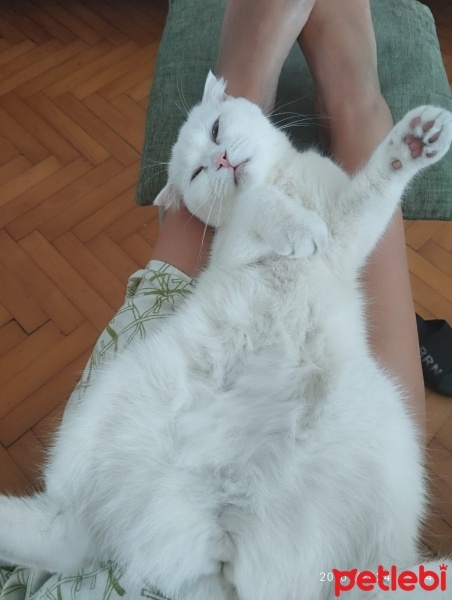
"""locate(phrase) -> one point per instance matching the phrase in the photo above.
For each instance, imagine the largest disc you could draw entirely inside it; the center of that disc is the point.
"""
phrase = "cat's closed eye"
(196, 173)
(215, 129)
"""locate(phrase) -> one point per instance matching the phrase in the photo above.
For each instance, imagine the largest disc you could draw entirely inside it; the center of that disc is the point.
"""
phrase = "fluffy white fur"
(252, 442)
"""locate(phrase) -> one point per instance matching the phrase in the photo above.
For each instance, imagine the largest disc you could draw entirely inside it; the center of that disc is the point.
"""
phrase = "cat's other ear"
(214, 89)
(168, 197)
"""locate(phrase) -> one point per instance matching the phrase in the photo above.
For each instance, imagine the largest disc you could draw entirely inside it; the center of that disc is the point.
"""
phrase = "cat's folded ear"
(168, 197)
(214, 89)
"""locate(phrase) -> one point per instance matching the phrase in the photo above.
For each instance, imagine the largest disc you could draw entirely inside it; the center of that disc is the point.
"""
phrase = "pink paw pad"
(415, 142)
(421, 138)
(416, 145)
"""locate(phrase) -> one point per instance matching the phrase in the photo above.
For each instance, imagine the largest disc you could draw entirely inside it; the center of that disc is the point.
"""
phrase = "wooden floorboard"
(74, 83)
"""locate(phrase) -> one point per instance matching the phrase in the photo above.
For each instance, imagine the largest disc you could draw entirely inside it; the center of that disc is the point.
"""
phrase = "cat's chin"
(218, 213)
(215, 215)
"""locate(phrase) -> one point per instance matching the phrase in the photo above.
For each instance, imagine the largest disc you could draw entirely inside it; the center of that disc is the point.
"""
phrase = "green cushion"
(410, 69)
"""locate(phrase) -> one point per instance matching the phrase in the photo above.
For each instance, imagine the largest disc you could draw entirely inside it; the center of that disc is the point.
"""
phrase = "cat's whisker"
(198, 261)
(292, 112)
(182, 109)
(145, 169)
(214, 200)
(292, 115)
(306, 122)
(301, 124)
(298, 116)
(150, 161)
(311, 119)
(149, 179)
(277, 106)
(289, 125)
(182, 100)
(202, 204)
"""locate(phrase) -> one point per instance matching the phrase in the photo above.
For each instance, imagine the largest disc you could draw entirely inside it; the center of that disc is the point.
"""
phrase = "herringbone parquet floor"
(74, 83)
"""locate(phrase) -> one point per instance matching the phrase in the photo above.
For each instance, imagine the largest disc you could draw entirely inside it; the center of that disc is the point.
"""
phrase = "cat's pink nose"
(222, 161)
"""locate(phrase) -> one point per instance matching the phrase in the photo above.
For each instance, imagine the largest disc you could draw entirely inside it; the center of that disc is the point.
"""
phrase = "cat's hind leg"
(36, 532)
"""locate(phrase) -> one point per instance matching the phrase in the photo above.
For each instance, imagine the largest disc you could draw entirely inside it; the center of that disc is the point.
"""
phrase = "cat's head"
(225, 145)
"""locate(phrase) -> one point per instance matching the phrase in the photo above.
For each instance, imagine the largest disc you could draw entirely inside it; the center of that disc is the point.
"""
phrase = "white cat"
(252, 443)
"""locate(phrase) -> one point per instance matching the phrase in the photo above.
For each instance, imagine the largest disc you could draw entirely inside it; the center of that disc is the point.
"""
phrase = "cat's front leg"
(284, 224)
(266, 221)
(364, 209)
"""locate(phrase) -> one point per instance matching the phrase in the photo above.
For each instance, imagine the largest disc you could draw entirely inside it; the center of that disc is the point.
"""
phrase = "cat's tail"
(36, 532)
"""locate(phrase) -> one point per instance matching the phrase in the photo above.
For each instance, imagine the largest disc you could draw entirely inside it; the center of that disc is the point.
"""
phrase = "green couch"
(410, 68)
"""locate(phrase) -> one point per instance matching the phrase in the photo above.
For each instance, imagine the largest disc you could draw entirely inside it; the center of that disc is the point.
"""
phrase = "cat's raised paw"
(421, 138)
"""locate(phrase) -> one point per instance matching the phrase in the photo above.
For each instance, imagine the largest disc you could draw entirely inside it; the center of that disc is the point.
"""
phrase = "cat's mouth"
(240, 171)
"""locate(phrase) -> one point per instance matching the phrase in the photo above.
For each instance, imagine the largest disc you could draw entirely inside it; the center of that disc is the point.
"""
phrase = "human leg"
(339, 45)
(184, 241)
(256, 38)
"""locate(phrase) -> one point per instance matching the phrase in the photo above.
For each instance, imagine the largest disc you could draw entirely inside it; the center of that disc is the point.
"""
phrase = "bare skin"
(350, 96)
(256, 38)
(338, 41)
(184, 242)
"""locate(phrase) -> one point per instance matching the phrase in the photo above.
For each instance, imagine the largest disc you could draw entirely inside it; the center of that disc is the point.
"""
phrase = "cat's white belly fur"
(228, 469)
